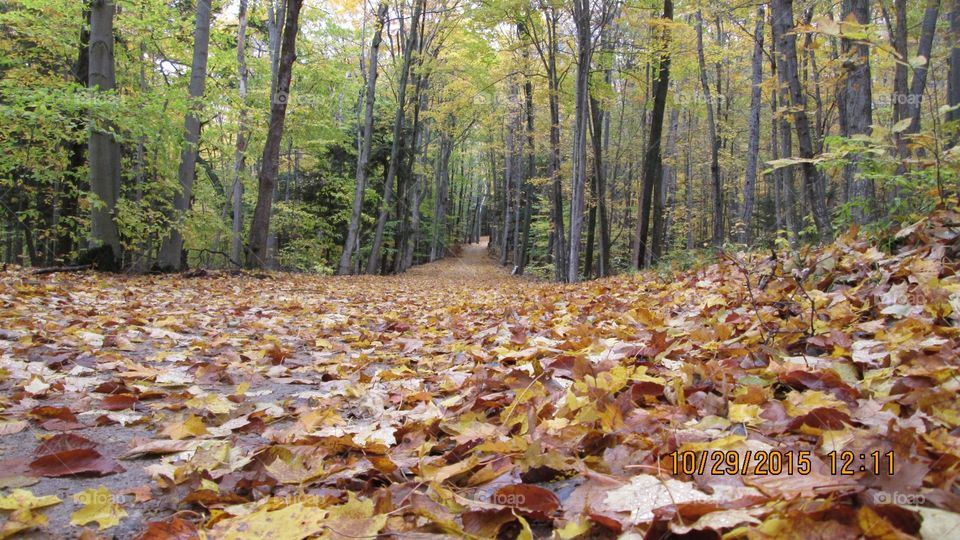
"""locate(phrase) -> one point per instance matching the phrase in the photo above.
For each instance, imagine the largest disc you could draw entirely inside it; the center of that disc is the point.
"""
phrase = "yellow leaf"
(22, 520)
(291, 522)
(191, 427)
(98, 506)
(20, 499)
(745, 413)
(355, 519)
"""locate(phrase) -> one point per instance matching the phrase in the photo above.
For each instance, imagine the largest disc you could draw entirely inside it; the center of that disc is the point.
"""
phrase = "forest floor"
(457, 400)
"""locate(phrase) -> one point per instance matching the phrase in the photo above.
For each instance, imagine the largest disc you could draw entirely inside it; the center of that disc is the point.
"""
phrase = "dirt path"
(473, 267)
(166, 340)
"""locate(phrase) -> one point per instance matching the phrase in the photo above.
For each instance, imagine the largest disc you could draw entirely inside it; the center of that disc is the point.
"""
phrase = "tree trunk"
(270, 163)
(788, 68)
(171, 251)
(377, 248)
(104, 150)
(437, 247)
(582, 20)
(858, 106)
(919, 83)
(652, 162)
(753, 145)
(716, 183)
(953, 82)
(70, 189)
(240, 156)
(553, 79)
(363, 159)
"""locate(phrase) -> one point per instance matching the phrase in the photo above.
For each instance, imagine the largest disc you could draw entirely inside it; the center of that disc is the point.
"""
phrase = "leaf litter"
(458, 401)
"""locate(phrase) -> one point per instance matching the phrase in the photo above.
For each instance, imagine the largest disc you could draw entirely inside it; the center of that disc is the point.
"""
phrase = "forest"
(585, 140)
(484, 269)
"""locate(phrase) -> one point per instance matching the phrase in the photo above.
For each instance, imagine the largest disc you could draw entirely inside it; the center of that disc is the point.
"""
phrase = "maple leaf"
(98, 507)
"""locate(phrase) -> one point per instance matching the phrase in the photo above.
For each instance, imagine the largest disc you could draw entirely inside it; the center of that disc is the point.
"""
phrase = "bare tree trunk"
(919, 83)
(363, 159)
(787, 48)
(377, 248)
(858, 106)
(553, 79)
(753, 145)
(661, 234)
(69, 197)
(509, 192)
(104, 150)
(270, 163)
(437, 247)
(652, 161)
(953, 83)
(582, 20)
(716, 183)
(171, 251)
(240, 156)
(530, 172)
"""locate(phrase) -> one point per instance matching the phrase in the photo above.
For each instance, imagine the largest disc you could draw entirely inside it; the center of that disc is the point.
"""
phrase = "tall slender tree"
(857, 99)
(171, 251)
(373, 263)
(786, 43)
(104, 150)
(363, 158)
(716, 182)
(270, 162)
(240, 154)
(753, 143)
(653, 161)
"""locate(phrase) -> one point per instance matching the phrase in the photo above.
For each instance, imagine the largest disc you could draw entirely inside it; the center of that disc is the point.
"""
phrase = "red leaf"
(535, 501)
(62, 443)
(80, 462)
(175, 529)
(119, 402)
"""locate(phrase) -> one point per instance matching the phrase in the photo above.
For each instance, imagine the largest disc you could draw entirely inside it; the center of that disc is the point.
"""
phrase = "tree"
(104, 150)
(857, 99)
(753, 143)
(240, 155)
(716, 182)
(373, 263)
(363, 158)
(786, 42)
(171, 252)
(953, 84)
(652, 163)
(270, 162)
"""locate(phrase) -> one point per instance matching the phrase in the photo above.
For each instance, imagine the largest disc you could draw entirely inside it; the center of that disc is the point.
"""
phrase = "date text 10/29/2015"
(776, 462)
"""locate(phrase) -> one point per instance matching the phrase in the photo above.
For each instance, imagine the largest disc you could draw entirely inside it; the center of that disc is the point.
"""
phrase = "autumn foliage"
(456, 400)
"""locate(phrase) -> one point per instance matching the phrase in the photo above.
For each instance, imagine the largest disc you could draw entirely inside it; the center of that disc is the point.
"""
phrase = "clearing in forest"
(756, 396)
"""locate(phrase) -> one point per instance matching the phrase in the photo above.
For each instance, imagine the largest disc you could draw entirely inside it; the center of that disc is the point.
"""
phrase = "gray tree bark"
(373, 263)
(782, 12)
(953, 82)
(270, 162)
(363, 159)
(104, 150)
(240, 156)
(857, 99)
(653, 161)
(716, 182)
(582, 20)
(753, 144)
(171, 251)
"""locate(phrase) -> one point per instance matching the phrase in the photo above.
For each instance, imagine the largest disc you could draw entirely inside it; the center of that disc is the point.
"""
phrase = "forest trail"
(473, 267)
(456, 399)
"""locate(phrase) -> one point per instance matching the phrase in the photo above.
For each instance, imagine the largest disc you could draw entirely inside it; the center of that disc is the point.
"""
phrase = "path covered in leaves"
(458, 401)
